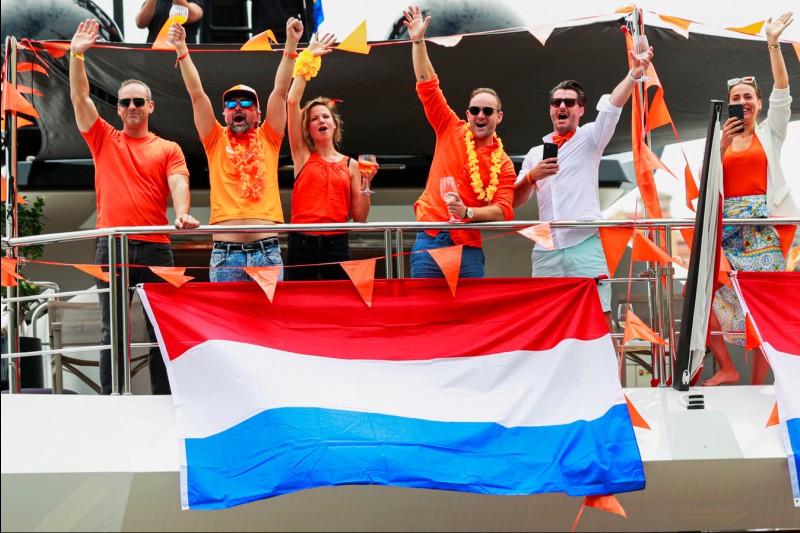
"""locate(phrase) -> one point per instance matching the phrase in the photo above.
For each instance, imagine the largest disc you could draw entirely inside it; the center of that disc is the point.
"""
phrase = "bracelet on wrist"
(77, 56)
(291, 55)
(774, 46)
(640, 78)
(181, 58)
(419, 42)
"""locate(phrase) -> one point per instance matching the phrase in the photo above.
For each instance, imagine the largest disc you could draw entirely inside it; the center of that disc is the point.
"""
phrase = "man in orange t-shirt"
(135, 174)
(471, 152)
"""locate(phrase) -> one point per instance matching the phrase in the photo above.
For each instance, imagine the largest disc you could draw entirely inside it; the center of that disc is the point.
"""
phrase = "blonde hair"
(337, 119)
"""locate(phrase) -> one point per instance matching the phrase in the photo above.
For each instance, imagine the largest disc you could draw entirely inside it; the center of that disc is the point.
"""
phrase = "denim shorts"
(424, 266)
(583, 260)
(229, 258)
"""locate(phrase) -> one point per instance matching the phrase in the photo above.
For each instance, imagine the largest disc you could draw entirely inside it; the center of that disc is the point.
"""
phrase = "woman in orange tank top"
(328, 184)
(751, 166)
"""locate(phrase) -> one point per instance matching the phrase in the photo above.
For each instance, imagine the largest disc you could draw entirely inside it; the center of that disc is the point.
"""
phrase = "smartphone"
(550, 150)
(737, 110)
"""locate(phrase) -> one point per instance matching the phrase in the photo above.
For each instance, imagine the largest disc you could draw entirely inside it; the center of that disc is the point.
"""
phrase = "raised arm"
(623, 90)
(85, 110)
(276, 104)
(203, 110)
(773, 30)
(423, 68)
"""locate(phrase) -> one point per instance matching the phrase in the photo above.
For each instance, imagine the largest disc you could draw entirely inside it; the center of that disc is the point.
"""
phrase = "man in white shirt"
(567, 185)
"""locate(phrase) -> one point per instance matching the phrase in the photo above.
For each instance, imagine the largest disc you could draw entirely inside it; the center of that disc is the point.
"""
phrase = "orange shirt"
(130, 177)
(233, 197)
(322, 193)
(745, 173)
(450, 159)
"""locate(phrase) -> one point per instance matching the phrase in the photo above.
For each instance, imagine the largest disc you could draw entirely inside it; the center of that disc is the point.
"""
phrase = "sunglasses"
(126, 102)
(244, 104)
(568, 102)
(750, 80)
(474, 110)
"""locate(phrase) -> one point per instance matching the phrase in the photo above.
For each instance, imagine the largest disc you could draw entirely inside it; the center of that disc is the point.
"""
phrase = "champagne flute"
(368, 166)
(447, 185)
(640, 46)
(622, 315)
(179, 14)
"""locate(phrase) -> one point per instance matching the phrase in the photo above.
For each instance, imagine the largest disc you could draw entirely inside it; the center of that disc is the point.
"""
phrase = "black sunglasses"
(568, 102)
(244, 104)
(126, 102)
(474, 110)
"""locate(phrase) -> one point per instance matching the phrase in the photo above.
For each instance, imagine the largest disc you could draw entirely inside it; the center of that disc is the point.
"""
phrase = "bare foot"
(722, 377)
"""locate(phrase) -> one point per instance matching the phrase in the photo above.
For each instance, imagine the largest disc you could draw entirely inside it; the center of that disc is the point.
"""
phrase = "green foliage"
(30, 222)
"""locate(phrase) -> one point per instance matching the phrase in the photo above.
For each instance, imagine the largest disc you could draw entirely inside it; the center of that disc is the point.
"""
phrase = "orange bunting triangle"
(751, 338)
(606, 503)
(539, 233)
(658, 115)
(773, 419)
(9, 272)
(94, 270)
(645, 250)
(692, 192)
(449, 260)
(636, 329)
(542, 33)
(796, 47)
(20, 199)
(24, 89)
(750, 29)
(615, 241)
(16, 103)
(32, 67)
(260, 42)
(362, 274)
(266, 277)
(679, 26)
(637, 419)
(786, 236)
(792, 259)
(724, 278)
(55, 49)
(356, 41)
(174, 275)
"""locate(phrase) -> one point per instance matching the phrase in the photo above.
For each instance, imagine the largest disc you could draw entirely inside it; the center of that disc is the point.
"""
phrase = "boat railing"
(661, 297)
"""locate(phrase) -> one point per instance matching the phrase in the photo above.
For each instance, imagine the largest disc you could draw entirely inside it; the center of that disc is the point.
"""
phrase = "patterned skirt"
(748, 249)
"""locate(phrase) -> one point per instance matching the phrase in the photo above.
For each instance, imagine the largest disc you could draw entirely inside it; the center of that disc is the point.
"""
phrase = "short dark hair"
(486, 90)
(571, 85)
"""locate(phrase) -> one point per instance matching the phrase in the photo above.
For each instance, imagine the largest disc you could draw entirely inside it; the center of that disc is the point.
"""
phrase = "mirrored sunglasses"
(475, 110)
(244, 104)
(568, 102)
(126, 102)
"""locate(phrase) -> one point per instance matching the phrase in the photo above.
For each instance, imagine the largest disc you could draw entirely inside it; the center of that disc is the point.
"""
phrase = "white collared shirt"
(573, 193)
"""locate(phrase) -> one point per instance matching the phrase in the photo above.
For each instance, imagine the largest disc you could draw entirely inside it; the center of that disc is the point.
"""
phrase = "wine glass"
(179, 14)
(622, 312)
(447, 185)
(640, 46)
(367, 165)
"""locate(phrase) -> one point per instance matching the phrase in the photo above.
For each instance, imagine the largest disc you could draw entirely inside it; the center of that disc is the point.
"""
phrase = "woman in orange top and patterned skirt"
(327, 187)
(753, 187)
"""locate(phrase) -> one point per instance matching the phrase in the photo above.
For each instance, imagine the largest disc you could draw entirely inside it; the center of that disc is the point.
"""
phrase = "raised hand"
(294, 30)
(774, 29)
(320, 46)
(415, 24)
(177, 36)
(85, 36)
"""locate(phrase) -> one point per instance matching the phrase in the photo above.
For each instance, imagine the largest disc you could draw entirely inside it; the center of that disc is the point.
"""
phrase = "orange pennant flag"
(356, 41)
(24, 89)
(792, 259)
(750, 29)
(266, 277)
(260, 42)
(94, 270)
(29, 66)
(637, 419)
(652, 160)
(679, 26)
(645, 250)
(724, 278)
(607, 503)
(751, 338)
(786, 236)
(636, 329)
(796, 47)
(16, 103)
(615, 241)
(362, 274)
(174, 275)
(692, 192)
(21, 123)
(449, 260)
(55, 49)
(9, 272)
(539, 233)
(542, 33)
(658, 114)
(20, 198)
(773, 420)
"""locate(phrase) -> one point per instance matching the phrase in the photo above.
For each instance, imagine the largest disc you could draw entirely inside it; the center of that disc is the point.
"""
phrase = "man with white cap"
(242, 161)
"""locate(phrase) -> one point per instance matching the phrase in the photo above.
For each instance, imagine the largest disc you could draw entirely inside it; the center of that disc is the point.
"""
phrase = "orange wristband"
(530, 181)
(180, 58)
(292, 55)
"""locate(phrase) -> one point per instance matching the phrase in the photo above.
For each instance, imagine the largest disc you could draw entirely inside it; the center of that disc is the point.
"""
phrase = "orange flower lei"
(247, 157)
(474, 170)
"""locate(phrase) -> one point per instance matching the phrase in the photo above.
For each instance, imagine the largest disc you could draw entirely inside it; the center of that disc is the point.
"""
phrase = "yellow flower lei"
(474, 170)
(247, 157)
(307, 65)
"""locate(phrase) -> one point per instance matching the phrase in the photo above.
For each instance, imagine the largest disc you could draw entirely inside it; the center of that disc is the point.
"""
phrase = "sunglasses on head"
(244, 104)
(126, 102)
(750, 80)
(474, 110)
(568, 102)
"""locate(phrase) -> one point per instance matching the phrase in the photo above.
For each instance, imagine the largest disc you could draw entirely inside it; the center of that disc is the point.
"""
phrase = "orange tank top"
(322, 192)
(745, 173)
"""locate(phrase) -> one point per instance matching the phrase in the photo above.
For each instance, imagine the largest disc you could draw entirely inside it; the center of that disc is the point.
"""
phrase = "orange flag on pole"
(174, 275)
(636, 329)
(16, 103)
(94, 270)
(645, 250)
(449, 260)
(356, 41)
(9, 272)
(362, 274)
(266, 277)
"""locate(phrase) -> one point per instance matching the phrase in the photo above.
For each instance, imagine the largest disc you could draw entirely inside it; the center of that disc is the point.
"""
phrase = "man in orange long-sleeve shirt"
(471, 152)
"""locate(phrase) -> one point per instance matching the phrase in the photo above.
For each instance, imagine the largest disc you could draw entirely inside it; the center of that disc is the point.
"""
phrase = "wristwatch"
(469, 214)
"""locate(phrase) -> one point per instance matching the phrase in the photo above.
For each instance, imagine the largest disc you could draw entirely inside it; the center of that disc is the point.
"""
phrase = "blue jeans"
(139, 253)
(423, 265)
(311, 250)
(228, 258)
